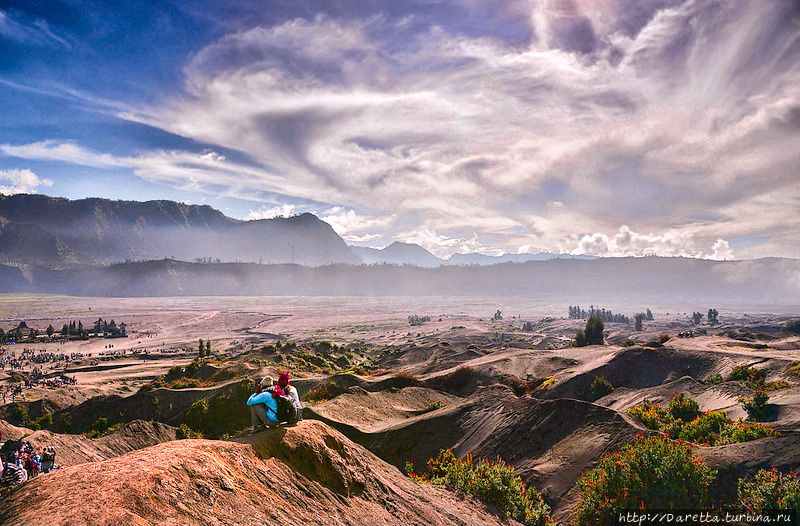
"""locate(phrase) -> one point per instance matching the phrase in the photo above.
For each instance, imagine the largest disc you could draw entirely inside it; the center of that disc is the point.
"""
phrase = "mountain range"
(61, 233)
(98, 247)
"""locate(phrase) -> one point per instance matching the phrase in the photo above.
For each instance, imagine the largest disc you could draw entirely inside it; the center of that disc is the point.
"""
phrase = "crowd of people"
(32, 358)
(27, 463)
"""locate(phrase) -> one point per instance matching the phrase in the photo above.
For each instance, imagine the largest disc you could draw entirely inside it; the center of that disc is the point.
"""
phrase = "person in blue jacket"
(263, 407)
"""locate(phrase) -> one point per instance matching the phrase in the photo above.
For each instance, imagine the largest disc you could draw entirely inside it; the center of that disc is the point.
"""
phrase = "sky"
(599, 127)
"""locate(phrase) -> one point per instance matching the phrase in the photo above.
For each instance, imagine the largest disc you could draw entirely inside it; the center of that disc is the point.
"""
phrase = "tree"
(697, 317)
(208, 347)
(498, 315)
(50, 331)
(201, 348)
(65, 329)
(649, 315)
(712, 316)
(580, 339)
(638, 321)
(594, 331)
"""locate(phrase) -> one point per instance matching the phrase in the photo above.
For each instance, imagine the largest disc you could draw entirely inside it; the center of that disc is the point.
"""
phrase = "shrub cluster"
(415, 320)
(749, 376)
(684, 422)
(792, 326)
(493, 481)
(755, 405)
(100, 428)
(651, 473)
(600, 387)
(324, 392)
(223, 414)
(770, 490)
(522, 387)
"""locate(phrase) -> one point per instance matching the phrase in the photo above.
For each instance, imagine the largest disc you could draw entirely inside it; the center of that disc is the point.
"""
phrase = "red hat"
(283, 379)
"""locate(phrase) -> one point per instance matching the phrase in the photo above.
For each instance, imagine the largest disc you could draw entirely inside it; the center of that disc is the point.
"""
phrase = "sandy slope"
(308, 474)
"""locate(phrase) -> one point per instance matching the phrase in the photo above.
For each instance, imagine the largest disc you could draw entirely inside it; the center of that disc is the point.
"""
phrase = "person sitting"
(263, 407)
(290, 390)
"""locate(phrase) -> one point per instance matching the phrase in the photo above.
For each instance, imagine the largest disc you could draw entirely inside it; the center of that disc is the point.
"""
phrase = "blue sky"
(604, 127)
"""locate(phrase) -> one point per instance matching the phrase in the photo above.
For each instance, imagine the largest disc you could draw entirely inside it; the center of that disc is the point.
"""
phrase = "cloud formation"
(21, 182)
(561, 125)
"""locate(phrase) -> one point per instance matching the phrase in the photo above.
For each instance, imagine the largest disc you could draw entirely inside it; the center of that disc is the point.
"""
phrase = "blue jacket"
(266, 399)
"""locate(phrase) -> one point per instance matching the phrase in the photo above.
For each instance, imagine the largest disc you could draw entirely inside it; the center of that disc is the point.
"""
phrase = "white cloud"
(68, 152)
(22, 182)
(459, 133)
(271, 213)
(678, 117)
(441, 245)
(722, 250)
(346, 222)
(627, 243)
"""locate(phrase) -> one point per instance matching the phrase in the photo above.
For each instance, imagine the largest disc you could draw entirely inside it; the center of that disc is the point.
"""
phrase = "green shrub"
(793, 326)
(683, 407)
(433, 406)
(705, 428)
(710, 428)
(185, 431)
(18, 415)
(600, 387)
(324, 392)
(794, 369)
(458, 379)
(756, 405)
(739, 431)
(777, 385)
(651, 473)
(714, 379)
(184, 383)
(223, 414)
(493, 481)
(749, 376)
(652, 415)
(517, 384)
(770, 490)
(580, 339)
(174, 373)
(43, 421)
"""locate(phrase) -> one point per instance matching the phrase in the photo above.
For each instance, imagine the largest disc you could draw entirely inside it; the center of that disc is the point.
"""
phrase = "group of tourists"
(272, 404)
(27, 463)
(31, 357)
(12, 392)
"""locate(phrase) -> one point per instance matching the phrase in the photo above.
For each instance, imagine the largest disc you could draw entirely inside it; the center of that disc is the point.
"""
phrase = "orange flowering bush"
(652, 473)
(493, 481)
(770, 490)
(712, 428)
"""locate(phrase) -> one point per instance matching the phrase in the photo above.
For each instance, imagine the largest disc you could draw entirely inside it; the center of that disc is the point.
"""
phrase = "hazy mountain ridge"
(768, 281)
(399, 253)
(58, 232)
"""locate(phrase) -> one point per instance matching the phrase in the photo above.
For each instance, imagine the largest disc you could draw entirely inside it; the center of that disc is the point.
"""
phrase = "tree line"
(576, 313)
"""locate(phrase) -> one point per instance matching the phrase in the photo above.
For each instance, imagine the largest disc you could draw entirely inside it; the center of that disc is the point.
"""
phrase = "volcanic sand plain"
(550, 436)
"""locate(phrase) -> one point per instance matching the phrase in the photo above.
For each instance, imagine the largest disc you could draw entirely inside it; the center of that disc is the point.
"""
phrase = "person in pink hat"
(290, 390)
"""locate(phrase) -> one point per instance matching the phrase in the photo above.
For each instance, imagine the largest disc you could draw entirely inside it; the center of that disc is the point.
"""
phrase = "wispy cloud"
(37, 32)
(562, 125)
